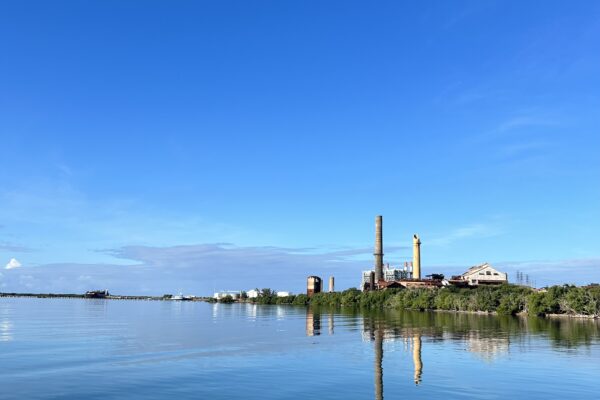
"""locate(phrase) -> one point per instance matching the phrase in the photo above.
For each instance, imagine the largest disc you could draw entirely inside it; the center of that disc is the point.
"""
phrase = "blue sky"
(154, 147)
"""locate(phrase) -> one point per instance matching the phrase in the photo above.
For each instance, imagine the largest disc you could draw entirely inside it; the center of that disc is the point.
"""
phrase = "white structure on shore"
(484, 274)
(254, 293)
(220, 295)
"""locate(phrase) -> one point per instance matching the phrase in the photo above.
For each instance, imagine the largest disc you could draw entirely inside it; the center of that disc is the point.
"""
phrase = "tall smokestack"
(416, 257)
(331, 283)
(378, 248)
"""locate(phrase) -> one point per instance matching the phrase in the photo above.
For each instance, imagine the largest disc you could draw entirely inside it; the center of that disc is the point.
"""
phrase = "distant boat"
(97, 294)
(181, 297)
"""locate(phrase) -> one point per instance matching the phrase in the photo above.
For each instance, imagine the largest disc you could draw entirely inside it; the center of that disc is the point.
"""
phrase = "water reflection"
(485, 336)
(188, 349)
(416, 345)
(313, 323)
(6, 325)
(378, 345)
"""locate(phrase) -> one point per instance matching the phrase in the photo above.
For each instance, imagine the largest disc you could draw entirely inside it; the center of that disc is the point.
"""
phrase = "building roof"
(478, 268)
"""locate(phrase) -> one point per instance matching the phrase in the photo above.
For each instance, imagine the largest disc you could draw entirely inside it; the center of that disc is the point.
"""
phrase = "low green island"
(505, 299)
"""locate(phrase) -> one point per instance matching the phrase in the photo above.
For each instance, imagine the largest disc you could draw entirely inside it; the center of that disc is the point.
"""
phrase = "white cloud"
(13, 263)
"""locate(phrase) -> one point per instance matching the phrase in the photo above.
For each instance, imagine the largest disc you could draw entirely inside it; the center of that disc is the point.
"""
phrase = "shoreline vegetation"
(507, 299)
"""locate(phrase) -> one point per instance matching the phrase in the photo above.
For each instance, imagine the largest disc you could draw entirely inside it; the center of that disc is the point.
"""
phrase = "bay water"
(112, 349)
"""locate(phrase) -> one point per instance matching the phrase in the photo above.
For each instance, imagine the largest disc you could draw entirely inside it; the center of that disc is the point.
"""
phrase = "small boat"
(181, 297)
(96, 294)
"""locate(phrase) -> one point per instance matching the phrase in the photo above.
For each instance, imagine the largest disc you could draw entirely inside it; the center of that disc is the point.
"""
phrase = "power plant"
(409, 276)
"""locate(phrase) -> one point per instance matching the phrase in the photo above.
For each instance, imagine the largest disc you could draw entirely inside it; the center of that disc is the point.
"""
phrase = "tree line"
(503, 299)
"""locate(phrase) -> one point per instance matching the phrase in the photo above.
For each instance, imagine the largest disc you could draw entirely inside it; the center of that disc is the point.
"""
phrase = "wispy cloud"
(552, 272)
(7, 246)
(200, 269)
(519, 122)
(526, 140)
(217, 254)
(466, 232)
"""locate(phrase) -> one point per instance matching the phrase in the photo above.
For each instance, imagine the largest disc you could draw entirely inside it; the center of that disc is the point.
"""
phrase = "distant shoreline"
(383, 300)
(83, 296)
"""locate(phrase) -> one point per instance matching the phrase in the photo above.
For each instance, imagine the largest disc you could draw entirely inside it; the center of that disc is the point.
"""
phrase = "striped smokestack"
(378, 248)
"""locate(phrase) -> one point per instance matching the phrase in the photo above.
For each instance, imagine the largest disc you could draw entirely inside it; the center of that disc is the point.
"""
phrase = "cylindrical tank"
(314, 285)
(331, 284)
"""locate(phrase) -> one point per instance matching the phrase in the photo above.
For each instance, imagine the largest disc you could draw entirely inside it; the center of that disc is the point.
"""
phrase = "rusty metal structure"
(314, 284)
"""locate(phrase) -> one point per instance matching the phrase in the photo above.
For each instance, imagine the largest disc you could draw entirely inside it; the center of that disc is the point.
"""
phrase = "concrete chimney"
(331, 282)
(416, 257)
(378, 248)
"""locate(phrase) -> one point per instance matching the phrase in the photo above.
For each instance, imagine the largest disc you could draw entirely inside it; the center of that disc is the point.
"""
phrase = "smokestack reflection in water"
(330, 323)
(417, 358)
(375, 331)
(313, 323)
(379, 362)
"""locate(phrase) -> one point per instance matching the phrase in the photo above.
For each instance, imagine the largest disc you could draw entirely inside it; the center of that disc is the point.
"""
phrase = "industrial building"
(483, 274)
(389, 275)
(381, 278)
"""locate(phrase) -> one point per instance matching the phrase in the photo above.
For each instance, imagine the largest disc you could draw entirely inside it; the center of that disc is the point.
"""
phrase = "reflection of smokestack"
(417, 358)
(416, 257)
(331, 282)
(378, 248)
(313, 323)
(330, 323)
(378, 363)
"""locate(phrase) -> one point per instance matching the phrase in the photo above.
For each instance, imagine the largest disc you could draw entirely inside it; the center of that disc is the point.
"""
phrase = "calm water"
(103, 349)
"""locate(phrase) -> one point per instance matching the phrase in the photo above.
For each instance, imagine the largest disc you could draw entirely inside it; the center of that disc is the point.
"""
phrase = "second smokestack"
(416, 257)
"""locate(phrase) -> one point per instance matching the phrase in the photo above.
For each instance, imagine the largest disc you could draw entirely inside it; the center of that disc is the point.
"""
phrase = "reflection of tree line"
(485, 335)
(562, 331)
